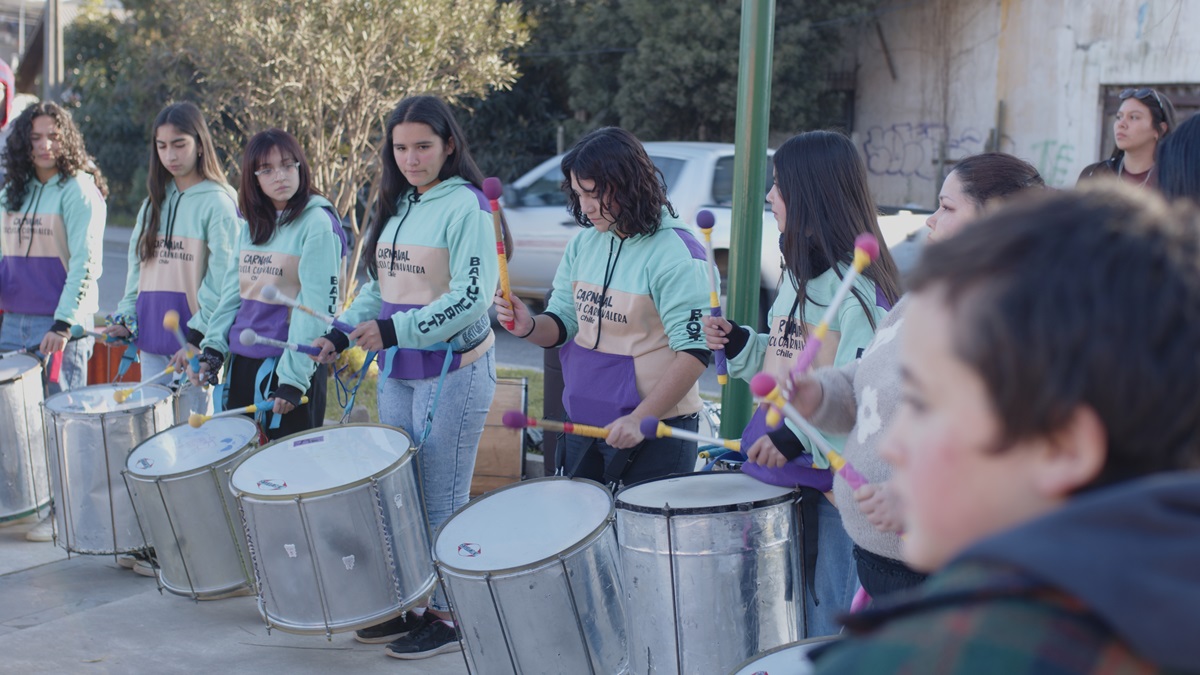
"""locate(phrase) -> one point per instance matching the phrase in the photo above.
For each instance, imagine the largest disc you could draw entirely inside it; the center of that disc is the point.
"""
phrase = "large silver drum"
(336, 528)
(711, 569)
(533, 575)
(24, 478)
(88, 437)
(179, 482)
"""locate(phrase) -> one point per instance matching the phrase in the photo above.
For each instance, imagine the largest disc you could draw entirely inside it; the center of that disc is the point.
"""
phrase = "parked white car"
(698, 176)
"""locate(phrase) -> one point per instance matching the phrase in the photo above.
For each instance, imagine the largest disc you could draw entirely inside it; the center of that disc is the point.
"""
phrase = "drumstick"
(651, 427)
(196, 419)
(121, 395)
(78, 331)
(705, 220)
(250, 338)
(271, 294)
(866, 249)
(171, 323)
(765, 387)
(515, 419)
(492, 189)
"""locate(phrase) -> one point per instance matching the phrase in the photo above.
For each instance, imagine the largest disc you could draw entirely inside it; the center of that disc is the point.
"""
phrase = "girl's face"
(278, 177)
(1134, 126)
(179, 153)
(955, 209)
(777, 206)
(46, 146)
(420, 154)
(591, 204)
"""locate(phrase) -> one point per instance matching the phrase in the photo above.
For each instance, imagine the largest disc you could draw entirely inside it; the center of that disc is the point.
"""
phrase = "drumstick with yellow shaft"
(196, 419)
(171, 323)
(492, 189)
(122, 395)
(651, 427)
(705, 221)
(765, 388)
(866, 249)
(515, 419)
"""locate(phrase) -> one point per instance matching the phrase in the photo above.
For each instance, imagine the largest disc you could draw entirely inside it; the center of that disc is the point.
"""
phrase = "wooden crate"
(501, 457)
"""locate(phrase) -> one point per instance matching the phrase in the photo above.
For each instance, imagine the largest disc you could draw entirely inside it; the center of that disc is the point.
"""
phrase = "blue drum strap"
(129, 358)
(262, 382)
(437, 396)
(362, 373)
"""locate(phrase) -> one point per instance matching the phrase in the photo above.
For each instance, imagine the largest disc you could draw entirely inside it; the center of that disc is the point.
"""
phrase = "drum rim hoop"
(791, 496)
(583, 542)
(37, 365)
(253, 442)
(406, 457)
(784, 647)
(76, 414)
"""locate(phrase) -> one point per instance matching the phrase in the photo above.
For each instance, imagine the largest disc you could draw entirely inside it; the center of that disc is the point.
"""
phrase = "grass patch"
(367, 397)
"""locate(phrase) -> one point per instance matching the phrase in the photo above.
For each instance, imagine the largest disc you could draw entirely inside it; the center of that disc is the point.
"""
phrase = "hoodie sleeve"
(474, 273)
(366, 304)
(320, 259)
(84, 214)
(127, 307)
(221, 319)
(220, 233)
(749, 361)
(680, 295)
(562, 299)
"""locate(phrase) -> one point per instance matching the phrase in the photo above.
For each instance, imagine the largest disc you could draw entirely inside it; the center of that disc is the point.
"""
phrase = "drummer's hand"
(179, 361)
(878, 502)
(716, 330)
(514, 311)
(624, 432)
(282, 407)
(807, 394)
(116, 331)
(197, 378)
(367, 336)
(52, 342)
(764, 453)
(328, 353)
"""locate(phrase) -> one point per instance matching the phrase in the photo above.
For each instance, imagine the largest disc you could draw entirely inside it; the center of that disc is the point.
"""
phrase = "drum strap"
(619, 464)
(349, 393)
(262, 381)
(129, 358)
(809, 528)
(437, 396)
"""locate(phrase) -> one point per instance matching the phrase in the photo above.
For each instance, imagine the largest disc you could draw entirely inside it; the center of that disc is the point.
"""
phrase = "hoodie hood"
(1130, 552)
(442, 189)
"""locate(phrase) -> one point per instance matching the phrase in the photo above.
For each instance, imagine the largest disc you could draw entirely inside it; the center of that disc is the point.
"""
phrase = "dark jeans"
(243, 373)
(881, 576)
(653, 458)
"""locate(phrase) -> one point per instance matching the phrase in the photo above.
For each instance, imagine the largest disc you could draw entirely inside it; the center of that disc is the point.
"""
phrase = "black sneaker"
(391, 629)
(434, 638)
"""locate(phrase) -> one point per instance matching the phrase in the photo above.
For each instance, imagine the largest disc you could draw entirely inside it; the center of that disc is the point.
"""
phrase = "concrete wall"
(1049, 64)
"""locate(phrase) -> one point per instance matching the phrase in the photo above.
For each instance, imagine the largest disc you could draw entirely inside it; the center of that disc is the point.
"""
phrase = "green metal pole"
(749, 189)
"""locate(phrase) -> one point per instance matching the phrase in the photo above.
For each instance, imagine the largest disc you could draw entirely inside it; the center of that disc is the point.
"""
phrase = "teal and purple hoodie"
(196, 233)
(302, 260)
(625, 307)
(52, 249)
(438, 269)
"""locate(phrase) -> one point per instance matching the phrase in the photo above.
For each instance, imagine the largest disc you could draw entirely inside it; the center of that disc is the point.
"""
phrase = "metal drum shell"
(301, 547)
(94, 514)
(708, 587)
(526, 619)
(192, 516)
(24, 474)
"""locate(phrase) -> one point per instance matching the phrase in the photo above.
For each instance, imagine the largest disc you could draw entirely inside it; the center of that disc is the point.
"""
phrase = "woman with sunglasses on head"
(290, 241)
(1144, 118)
(179, 253)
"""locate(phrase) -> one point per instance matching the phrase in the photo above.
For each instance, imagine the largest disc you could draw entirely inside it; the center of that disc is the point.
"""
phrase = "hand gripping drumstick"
(515, 419)
(866, 249)
(271, 294)
(196, 419)
(765, 387)
(250, 338)
(78, 331)
(171, 323)
(652, 428)
(121, 395)
(705, 220)
(492, 189)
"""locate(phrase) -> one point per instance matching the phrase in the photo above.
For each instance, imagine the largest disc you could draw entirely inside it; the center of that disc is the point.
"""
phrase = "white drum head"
(521, 525)
(15, 366)
(181, 448)
(715, 490)
(322, 459)
(99, 399)
(784, 660)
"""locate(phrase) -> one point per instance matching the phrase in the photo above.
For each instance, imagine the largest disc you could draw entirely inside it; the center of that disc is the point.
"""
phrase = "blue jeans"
(447, 459)
(25, 331)
(836, 578)
(191, 399)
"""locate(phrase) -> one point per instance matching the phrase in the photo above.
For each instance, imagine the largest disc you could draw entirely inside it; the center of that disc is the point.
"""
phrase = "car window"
(670, 168)
(722, 188)
(546, 190)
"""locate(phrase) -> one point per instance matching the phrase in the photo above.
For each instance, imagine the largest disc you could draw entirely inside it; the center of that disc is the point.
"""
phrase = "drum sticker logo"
(306, 441)
(469, 550)
(271, 484)
(290, 549)
(398, 500)
(145, 463)
(228, 444)
(348, 561)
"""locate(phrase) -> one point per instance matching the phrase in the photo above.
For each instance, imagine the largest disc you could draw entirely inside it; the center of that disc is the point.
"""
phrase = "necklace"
(1121, 170)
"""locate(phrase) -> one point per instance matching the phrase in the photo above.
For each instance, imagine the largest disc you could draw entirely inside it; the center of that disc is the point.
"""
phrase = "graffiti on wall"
(1053, 160)
(911, 149)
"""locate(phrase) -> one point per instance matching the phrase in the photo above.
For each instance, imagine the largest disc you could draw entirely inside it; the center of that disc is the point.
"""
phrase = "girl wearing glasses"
(290, 241)
(432, 265)
(1144, 118)
(180, 247)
